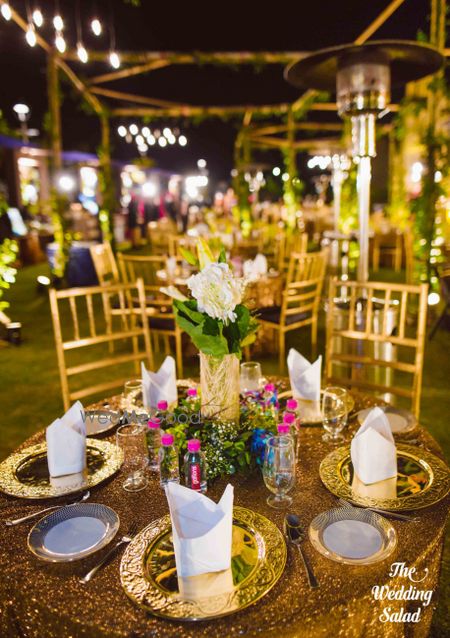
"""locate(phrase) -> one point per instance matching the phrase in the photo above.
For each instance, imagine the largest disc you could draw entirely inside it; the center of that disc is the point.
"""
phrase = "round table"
(41, 600)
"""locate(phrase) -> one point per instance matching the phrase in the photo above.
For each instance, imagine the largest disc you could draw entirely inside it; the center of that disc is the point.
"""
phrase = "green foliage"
(348, 219)
(57, 206)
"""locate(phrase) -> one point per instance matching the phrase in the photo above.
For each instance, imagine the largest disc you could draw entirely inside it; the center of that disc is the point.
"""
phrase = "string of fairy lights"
(36, 20)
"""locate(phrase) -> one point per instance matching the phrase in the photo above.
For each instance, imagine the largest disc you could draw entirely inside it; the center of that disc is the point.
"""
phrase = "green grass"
(30, 396)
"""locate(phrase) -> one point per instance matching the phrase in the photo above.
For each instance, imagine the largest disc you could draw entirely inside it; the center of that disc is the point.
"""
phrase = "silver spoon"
(396, 515)
(127, 538)
(295, 535)
(17, 521)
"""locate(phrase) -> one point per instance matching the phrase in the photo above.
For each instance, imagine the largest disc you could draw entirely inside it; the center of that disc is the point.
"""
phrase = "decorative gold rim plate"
(316, 418)
(426, 482)
(259, 558)
(384, 528)
(106, 460)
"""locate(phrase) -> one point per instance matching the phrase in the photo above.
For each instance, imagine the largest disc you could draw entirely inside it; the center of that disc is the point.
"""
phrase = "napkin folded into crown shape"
(66, 443)
(201, 530)
(373, 451)
(304, 376)
(255, 268)
(161, 385)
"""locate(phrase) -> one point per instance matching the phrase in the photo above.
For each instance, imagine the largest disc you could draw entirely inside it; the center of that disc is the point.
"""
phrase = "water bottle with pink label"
(195, 467)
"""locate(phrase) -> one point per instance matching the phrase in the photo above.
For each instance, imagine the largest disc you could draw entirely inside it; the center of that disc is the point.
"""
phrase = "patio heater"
(362, 76)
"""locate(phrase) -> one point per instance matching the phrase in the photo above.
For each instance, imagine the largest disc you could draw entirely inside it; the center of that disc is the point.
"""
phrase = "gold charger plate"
(148, 572)
(422, 480)
(25, 473)
(310, 412)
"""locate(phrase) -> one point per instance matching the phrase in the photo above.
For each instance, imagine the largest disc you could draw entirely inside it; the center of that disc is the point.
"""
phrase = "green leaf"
(215, 345)
(189, 309)
(188, 256)
(222, 256)
(248, 340)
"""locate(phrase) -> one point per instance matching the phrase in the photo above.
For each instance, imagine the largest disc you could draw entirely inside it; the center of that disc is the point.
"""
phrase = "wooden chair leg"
(314, 340)
(179, 354)
(281, 350)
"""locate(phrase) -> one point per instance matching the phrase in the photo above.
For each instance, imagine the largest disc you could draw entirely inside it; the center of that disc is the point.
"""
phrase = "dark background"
(199, 26)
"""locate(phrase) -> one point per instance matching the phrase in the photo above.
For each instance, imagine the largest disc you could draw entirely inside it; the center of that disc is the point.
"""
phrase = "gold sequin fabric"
(41, 600)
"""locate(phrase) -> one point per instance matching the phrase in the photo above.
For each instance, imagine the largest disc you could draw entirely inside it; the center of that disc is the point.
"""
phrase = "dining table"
(42, 599)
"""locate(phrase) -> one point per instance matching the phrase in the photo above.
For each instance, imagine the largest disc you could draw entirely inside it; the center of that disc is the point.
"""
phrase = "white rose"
(217, 292)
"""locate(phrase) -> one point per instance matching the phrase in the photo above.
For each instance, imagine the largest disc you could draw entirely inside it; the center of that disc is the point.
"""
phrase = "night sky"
(199, 26)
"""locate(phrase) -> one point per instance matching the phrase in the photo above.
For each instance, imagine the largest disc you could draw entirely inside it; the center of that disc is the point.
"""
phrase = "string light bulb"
(38, 18)
(6, 10)
(58, 22)
(82, 53)
(60, 43)
(114, 59)
(30, 35)
(96, 27)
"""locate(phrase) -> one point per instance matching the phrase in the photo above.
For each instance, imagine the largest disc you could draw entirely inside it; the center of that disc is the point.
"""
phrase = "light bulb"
(96, 27)
(114, 60)
(133, 129)
(6, 11)
(151, 140)
(58, 23)
(122, 131)
(38, 17)
(82, 53)
(162, 141)
(182, 141)
(60, 43)
(167, 132)
(30, 35)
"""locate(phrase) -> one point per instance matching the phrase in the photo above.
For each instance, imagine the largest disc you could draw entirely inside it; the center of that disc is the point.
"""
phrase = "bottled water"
(195, 467)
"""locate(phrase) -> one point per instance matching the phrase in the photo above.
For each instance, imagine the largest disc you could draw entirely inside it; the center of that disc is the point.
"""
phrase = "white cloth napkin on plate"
(304, 376)
(201, 530)
(66, 443)
(255, 268)
(373, 451)
(161, 385)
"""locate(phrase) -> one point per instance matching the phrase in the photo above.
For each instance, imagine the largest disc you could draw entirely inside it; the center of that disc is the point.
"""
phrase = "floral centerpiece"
(220, 326)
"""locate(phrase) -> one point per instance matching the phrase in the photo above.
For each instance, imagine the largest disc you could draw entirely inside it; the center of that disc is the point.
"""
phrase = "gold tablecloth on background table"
(41, 600)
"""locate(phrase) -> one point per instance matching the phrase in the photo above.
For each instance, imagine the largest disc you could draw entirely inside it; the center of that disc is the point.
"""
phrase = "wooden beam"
(129, 97)
(130, 71)
(205, 111)
(54, 111)
(213, 57)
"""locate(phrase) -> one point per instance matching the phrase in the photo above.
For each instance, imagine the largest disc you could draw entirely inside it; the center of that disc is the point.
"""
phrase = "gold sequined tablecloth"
(41, 600)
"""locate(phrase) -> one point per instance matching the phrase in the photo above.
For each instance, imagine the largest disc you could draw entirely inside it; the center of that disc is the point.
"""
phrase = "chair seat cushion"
(272, 315)
(160, 323)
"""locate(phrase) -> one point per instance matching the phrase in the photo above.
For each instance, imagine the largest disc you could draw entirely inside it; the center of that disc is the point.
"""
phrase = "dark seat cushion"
(160, 323)
(272, 315)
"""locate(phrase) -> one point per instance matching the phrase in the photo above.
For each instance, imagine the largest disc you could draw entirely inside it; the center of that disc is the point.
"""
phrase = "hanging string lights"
(6, 10)
(30, 34)
(81, 49)
(38, 18)
(144, 137)
(96, 27)
(58, 23)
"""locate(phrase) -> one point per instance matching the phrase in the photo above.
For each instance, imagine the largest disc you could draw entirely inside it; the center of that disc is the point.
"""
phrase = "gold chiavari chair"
(375, 338)
(301, 300)
(286, 244)
(389, 245)
(104, 263)
(82, 332)
(160, 314)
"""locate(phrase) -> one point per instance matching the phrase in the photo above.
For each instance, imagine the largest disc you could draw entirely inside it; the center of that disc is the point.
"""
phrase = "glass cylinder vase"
(219, 380)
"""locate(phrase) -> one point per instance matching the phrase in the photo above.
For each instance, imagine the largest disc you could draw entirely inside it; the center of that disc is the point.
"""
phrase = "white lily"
(172, 291)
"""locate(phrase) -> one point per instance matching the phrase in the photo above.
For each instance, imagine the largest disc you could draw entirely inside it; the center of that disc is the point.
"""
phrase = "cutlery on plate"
(396, 515)
(295, 536)
(23, 519)
(127, 538)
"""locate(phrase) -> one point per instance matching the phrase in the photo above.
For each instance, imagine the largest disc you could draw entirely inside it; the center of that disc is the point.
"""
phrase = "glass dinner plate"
(352, 536)
(73, 532)
(401, 421)
(149, 578)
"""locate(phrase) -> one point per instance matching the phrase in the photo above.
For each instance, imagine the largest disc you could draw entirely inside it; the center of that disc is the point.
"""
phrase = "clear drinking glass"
(279, 470)
(251, 376)
(132, 395)
(132, 441)
(334, 413)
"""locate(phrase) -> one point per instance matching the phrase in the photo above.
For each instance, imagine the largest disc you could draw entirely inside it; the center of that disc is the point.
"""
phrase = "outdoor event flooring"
(30, 396)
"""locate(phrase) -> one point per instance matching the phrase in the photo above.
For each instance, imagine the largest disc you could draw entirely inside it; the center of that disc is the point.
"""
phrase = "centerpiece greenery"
(220, 326)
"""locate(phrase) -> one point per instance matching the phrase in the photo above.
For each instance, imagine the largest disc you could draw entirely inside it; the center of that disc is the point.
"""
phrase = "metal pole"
(337, 192)
(363, 186)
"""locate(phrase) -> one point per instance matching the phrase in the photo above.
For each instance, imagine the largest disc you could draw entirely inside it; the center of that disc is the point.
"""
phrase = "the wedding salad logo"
(407, 592)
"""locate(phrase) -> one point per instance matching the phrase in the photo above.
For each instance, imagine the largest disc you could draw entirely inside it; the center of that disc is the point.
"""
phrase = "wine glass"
(279, 470)
(251, 375)
(132, 441)
(132, 395)
(334, 413)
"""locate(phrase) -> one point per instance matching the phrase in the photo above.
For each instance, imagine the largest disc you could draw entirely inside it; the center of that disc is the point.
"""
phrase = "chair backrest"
(104, 263)
(304, 284)
(86, 323)
(133, 267)
(286, 244)
(375, 337)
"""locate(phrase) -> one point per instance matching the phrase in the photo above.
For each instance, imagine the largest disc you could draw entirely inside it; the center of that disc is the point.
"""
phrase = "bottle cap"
(192, 392)
(291, 404)
(193, 445)
(162, 405)
(288, 418)
(269, 387)
(283, 428)
(154, 423)
(167, 439)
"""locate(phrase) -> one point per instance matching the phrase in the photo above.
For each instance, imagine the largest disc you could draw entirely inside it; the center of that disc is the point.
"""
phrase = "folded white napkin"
(66, 443)
(255, 268)
(304, 376)
(201, 530)
(373, 450)
(161, 385)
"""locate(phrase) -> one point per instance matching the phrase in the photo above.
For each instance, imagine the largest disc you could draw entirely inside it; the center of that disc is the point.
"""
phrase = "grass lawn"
(30, 396)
